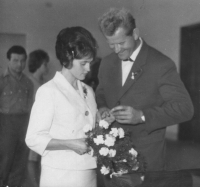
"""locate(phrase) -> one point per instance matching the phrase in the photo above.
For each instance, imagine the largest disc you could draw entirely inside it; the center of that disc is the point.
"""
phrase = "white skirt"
(51, 177)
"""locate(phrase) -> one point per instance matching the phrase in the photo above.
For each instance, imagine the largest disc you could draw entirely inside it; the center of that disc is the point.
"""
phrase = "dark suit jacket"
(156, 90)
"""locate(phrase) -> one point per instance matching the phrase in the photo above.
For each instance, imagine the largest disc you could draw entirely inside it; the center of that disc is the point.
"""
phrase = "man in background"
(141, 88)
(38, 67)
(16, 98)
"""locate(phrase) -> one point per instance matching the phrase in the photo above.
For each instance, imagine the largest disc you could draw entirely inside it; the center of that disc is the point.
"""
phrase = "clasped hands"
(80, 146)
(122, 114)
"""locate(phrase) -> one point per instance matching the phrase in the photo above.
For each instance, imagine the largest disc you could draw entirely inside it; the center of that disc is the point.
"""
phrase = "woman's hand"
(104, 113)
(79, 146)
(110, 118)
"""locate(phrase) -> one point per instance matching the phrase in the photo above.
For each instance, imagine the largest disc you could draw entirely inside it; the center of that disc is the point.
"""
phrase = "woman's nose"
(87, 67)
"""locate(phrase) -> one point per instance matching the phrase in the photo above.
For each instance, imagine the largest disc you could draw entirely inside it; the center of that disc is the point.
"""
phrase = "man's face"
(122, 44)
(17, 63)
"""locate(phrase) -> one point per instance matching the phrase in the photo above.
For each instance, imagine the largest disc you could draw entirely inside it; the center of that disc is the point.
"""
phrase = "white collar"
(136, 52)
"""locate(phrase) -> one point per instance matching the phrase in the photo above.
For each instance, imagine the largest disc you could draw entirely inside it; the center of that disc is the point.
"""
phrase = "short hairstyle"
(36, 59)
(74, 43)
(117, 18)
(17, 50)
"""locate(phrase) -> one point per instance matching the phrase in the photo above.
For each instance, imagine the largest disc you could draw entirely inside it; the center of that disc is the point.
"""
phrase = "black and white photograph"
(99, 93)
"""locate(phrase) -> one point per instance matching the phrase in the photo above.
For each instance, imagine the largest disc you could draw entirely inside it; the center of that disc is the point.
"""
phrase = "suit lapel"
(70, 93)
(136, 70)
(115, 78)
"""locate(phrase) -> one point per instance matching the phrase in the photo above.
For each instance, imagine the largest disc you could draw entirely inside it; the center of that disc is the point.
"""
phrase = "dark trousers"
(181, 178)
(13, 150)
(126, 180)
(152, 179)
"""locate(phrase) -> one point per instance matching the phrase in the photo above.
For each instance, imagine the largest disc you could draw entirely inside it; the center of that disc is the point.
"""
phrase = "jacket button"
(86, 113)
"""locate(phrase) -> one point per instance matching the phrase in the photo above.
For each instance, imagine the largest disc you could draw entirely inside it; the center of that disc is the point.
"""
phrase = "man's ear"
(136, 33)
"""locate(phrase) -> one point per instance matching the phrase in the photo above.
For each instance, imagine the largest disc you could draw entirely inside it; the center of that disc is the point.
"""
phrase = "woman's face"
(81, 67)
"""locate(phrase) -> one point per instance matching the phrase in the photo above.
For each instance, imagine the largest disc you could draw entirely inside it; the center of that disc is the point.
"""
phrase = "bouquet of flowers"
(113, 149)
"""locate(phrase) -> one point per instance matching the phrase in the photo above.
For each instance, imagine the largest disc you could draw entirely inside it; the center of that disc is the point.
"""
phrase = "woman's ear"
(65, 65)
(136, 33)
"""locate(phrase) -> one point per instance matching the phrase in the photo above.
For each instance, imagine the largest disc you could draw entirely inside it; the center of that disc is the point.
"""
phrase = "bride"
(63, 106)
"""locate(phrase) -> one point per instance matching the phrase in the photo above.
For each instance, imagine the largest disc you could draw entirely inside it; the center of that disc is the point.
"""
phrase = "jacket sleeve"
(177, 106)
(37, 137)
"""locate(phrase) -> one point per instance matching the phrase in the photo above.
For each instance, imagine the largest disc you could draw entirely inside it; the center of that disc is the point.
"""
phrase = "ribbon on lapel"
(136, 70)
(131, 79)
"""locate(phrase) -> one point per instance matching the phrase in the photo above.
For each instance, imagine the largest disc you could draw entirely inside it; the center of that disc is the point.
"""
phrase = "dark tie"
(129, 59)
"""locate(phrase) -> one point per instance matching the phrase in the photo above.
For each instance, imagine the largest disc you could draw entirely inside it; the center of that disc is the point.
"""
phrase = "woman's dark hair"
(17, 50)
(36, 59)
(74, 43)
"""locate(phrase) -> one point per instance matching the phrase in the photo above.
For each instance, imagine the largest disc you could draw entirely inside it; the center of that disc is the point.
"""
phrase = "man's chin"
(121, 57)
(82, 78)
(18, 72)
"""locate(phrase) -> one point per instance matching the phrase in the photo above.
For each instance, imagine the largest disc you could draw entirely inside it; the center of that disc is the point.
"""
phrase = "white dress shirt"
(127, 65)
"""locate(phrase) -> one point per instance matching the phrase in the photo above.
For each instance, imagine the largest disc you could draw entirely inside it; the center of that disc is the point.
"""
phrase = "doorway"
(190, 75)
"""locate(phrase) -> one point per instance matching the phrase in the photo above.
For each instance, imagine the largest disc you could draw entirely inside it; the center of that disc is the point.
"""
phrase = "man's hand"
(104, 113)
(127, 115)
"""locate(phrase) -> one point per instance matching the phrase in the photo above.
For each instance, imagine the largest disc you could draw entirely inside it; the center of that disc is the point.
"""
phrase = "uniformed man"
(16, 98)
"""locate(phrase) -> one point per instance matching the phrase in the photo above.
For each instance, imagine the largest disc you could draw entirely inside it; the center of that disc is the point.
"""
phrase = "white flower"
(99, 140)
(104, 151)
(114, 132)
(135, 167)
(104, 124)
(105, 170)
(142, 178)
(121, 132)
(87, 128)
(133, 152)
(124, 160)
(112, 153)
(110, 140)
(119, 173)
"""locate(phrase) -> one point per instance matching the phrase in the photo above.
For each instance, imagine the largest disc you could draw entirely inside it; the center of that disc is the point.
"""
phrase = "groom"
(141, 88)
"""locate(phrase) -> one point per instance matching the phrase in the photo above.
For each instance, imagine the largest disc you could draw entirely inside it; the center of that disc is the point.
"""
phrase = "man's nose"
(117, 48)
(19, 63)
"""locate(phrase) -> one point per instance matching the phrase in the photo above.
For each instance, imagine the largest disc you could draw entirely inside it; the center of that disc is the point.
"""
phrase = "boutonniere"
(85, 92)
(135, 74)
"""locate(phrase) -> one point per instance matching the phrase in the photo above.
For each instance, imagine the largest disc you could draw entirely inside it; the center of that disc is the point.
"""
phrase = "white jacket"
(60, 112)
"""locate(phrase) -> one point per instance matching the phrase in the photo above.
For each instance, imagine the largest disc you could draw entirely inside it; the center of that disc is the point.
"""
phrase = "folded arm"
(38, 136)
